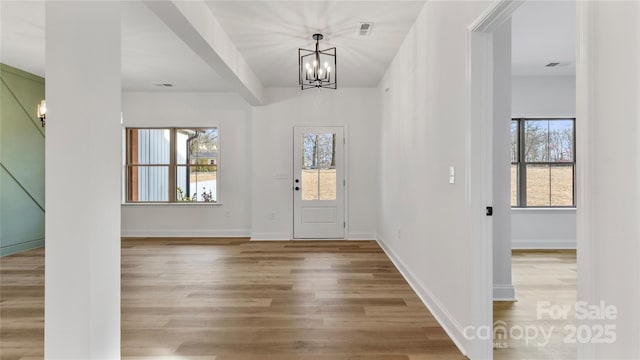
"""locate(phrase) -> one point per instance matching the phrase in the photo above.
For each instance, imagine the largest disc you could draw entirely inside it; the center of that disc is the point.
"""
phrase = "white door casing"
(318, 183)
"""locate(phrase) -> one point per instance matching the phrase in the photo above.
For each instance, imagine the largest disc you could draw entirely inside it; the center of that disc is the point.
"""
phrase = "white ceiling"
(22, 31)
(151, 53)
(544, 32)
(269, 33)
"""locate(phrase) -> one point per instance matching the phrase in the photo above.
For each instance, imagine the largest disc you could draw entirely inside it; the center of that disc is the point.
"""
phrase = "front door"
(318, 183)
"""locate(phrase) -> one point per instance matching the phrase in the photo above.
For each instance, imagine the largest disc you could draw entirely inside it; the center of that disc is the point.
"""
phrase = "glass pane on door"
(318, 173)
(309, 175)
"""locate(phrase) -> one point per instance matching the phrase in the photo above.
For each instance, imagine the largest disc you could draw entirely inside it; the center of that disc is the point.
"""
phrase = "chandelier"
(317, 68)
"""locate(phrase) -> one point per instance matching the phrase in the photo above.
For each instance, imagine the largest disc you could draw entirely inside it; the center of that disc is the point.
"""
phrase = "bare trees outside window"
(543, 162)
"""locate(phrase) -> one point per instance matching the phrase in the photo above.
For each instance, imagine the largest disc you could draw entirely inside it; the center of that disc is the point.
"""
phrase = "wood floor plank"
(22, 305)
(539, 275)
(233, 299)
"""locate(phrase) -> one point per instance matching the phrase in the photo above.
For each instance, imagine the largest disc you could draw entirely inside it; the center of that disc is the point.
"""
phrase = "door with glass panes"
(318, 183)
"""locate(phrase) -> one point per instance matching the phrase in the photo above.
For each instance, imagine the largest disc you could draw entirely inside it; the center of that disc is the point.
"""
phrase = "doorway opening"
(534, 256)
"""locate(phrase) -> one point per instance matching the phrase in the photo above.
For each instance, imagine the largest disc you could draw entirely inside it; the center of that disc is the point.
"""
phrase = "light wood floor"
(539, 276)
(235, 299)
(22, 305)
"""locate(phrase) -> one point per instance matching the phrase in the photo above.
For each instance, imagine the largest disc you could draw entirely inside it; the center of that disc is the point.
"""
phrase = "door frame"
(345, 153)
(479, 166)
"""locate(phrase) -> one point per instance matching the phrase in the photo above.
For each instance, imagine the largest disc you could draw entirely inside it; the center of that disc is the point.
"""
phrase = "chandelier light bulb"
(317, 68)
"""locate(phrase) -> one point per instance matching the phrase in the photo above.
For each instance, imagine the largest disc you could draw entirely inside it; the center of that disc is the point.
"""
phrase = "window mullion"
(522, 166)
(573, 140)
(172, 165)
(549, 160)
(127, 175)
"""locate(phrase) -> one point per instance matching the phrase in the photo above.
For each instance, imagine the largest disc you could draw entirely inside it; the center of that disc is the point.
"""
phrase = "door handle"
(297, 188)
(297, 180)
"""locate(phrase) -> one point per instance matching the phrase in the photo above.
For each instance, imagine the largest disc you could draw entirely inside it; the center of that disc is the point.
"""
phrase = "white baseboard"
(504, 292)
(24, 246)
(543, 244)
(185, 233)
(266, 236)
(450, 325)
(361, 236)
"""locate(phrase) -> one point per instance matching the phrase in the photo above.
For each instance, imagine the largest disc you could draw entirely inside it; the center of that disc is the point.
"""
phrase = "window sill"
(179, 204)
(543, 210)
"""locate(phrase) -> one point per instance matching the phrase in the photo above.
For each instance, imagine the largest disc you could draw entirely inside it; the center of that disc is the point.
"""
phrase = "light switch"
(452, 175)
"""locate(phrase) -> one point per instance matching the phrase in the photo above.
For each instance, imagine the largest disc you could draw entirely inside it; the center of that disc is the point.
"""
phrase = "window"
(319, 166)
(172, 165)
(543, 163)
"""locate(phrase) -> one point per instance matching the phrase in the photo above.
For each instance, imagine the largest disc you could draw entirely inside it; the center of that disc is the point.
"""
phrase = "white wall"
(425, 127)
(256, 156)
(543, 228)
(502, 285)
(272, 131)
(609, 172)
(82, 219)
(231, 113)
(540, 96)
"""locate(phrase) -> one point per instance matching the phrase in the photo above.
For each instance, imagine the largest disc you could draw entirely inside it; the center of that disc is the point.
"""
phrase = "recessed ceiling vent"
(163, 85)
(552, 64)
(364, 28)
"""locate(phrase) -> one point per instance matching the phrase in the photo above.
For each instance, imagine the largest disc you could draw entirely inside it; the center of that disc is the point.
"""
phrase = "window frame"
(521, 164)
(172, 166)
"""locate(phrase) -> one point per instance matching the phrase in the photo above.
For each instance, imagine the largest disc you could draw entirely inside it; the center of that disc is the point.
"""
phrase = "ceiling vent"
(552, 64)
(364, 28)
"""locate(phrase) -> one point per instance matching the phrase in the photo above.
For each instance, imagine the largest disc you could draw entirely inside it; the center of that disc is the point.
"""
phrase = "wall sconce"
(42, 111)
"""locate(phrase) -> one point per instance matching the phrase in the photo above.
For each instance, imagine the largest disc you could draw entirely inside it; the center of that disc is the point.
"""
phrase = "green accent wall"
(21, 161)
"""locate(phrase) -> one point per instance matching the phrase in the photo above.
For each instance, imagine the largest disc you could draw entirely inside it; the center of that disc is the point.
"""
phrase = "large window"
(172, 165)
(543, 163)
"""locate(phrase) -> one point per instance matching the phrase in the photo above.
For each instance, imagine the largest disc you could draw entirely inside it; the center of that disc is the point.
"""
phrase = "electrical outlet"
(227, 213)
(273, 216)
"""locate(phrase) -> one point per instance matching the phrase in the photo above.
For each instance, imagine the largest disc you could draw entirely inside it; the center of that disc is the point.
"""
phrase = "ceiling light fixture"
(317, 68)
